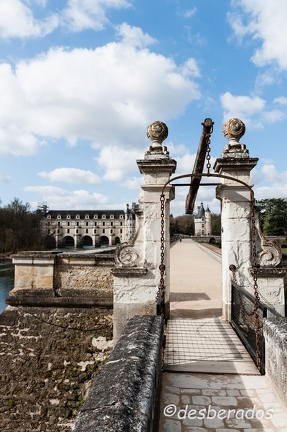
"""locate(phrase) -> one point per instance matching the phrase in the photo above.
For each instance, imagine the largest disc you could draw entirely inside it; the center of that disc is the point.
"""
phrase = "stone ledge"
(129, 271)
(126, 393)
(70, 302)
(275, 334)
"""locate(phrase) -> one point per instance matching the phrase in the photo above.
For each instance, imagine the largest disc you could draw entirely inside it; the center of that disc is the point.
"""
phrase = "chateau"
(93, 228)
(202, 221)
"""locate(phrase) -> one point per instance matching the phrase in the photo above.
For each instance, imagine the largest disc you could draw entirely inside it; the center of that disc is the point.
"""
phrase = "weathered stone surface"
(275, 333)
(125, 394)
(45, 279)
(48, 360)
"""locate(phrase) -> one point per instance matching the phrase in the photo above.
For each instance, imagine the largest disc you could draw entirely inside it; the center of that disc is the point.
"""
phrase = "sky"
(80, 81)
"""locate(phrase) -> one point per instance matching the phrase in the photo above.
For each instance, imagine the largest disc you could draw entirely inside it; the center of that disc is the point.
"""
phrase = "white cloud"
(17, 20)
(277, 187)
(70, 175)
(134, 36)
(243, 107)
(281, 100)
(265, 21)
(58, 198)
(89, 14)
(117, 162)
(107, 96)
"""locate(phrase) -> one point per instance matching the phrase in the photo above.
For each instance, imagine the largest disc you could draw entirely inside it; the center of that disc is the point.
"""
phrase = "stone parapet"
(275, 333)
(125, 395)
(63, 280)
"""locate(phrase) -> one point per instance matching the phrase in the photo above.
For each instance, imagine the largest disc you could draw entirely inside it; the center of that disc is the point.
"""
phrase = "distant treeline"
(19, 228)
(272, 216)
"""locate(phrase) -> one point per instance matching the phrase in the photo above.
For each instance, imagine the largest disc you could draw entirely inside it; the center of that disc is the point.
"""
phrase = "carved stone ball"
(234, 129)
(157, 132)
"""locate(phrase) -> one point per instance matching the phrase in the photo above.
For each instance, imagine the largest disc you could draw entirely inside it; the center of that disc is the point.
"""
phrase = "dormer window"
(49, 217)
(95, 216)
(87, 216)
(77, 216)
(111, 216)
(103, 216)
(68, 216)
(58, 216)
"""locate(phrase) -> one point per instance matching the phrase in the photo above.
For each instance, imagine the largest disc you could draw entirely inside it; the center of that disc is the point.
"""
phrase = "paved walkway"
(209, 381)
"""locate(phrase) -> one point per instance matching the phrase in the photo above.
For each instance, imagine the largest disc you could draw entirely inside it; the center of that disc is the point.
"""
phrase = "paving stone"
(223, 401)
(201, 400)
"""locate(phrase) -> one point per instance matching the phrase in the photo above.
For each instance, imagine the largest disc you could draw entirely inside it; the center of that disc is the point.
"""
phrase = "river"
(6, 281)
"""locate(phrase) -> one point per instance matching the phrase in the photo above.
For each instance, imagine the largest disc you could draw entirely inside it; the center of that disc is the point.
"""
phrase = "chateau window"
(95, 231)
(68, 231)
(104, 223)
(121, 224)
(77, 216)
(77, 223)
(59, 223)
(202, 226)
(121, 216)
(58, 216)
(103, 216)
(87, 223)
(104, 231)
(87, 231)
(68, 216)
(111, 231)
(112, 223)
(111, 216)
(77, 231)
(95, 216)
(121, 231)
(68, 223)
(49, 217)
(95, 223)
(87, 216)
(49, 223)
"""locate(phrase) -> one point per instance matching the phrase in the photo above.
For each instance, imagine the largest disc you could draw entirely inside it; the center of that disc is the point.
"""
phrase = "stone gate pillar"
(236, 237)
(136, 273)
(235, 211)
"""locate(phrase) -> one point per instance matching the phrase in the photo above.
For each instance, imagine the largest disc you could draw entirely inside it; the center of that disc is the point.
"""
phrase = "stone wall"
(71, 280)
(49, 358)
(126, 394)
(275, 333)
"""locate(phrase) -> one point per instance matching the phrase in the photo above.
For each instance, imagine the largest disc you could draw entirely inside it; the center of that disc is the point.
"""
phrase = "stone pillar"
(136, 274)
(235, 211)
(236, 237)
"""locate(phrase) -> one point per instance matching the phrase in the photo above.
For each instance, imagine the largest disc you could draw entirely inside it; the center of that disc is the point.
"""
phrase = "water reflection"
(6, 281)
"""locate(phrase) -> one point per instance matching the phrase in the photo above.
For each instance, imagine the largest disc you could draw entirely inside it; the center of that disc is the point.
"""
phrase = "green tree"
(19, 227)
(215, 224)
(273, 216)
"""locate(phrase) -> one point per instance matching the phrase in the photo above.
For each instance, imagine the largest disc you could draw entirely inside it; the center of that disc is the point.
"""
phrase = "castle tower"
(202, 221)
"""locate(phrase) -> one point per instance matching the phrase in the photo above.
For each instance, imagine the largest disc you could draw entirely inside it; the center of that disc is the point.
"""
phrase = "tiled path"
(230, 395)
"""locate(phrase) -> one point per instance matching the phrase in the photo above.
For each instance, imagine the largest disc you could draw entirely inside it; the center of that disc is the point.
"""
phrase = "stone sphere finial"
(233, 130)
(157, 132)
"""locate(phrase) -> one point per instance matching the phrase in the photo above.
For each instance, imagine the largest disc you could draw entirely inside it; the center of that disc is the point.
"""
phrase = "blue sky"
(80, 81)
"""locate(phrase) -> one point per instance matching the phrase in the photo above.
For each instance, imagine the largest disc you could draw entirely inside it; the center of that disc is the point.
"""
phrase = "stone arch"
(117, 241)
(68, 241)
(104, 241)
(87, 241)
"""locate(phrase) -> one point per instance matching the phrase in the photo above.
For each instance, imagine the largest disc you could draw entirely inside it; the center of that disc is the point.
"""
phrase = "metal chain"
(254, 274)
(160, 297)
(208, 149)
